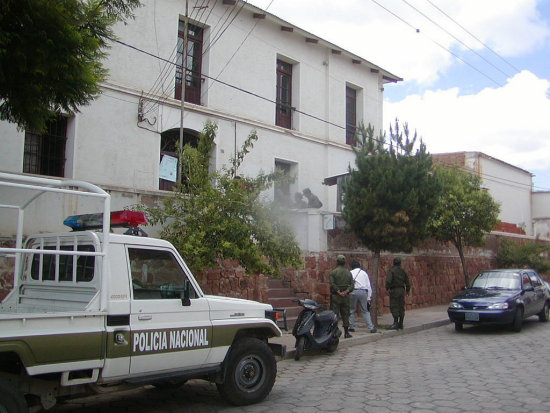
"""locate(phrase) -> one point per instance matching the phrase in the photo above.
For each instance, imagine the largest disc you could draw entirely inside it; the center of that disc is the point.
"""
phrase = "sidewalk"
(415, 320)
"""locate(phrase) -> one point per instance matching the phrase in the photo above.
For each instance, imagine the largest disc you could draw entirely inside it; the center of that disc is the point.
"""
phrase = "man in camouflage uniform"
(397, 284)
(341, 284)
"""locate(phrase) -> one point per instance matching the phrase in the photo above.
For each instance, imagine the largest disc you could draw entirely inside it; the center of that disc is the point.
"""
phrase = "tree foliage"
(50, 55)
(530, 255)
(464, 213)
(390, 195)
(219, 215)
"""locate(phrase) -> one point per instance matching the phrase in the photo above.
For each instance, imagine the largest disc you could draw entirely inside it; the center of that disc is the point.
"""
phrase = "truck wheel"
(11, 401)
(250, 372)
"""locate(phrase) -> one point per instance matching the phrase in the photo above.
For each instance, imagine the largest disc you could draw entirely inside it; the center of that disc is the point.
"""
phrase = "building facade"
(522, 211)
(246, 70)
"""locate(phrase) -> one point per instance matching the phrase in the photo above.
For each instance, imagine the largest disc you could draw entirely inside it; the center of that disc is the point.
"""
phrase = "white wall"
(109, 145)
(510, 187)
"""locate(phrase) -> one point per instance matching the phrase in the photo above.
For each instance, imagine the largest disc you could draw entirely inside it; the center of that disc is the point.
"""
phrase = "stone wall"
(434, 269)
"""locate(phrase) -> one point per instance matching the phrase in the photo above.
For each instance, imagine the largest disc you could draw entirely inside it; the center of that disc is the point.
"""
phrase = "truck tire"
(250, 372)
(11, 401)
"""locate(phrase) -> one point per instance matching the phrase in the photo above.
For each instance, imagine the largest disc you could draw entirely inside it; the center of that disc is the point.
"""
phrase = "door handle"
(145, 317)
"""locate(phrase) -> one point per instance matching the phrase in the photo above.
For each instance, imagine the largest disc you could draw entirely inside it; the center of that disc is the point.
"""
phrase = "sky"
(476, 73)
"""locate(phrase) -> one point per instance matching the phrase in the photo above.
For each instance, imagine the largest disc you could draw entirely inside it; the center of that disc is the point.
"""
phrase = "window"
(169, 142)
(193, 64)
(156, 275)
(535, 280)
(85, 265)
(283, 116)
(282, 189)
(351, 115)
(45, 153)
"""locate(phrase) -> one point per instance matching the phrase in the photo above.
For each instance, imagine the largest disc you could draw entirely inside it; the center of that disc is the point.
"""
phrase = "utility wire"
(417, 30)
(454, 37)
(476, 38)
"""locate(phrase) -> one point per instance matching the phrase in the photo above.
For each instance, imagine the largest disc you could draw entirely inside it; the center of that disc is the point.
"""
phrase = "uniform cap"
(340, 259)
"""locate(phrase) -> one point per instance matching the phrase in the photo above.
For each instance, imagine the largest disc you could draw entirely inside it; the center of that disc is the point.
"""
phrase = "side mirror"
(529, 288)
(185, 301)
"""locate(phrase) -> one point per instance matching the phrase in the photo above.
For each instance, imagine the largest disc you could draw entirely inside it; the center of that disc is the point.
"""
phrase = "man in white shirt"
(361, 295)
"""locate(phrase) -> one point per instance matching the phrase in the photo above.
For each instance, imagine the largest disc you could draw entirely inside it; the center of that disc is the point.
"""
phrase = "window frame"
(351, 116)
(45, 153)
(193, 85)
(283, 111)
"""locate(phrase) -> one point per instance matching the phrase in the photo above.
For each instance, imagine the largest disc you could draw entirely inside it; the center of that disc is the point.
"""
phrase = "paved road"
(438, 370)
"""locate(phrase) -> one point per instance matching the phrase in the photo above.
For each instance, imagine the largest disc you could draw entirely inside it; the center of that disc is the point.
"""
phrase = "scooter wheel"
(300, 345)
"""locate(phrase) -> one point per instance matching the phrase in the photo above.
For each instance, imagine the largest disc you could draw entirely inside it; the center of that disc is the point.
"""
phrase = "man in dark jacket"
(341, 284)
(397, 284)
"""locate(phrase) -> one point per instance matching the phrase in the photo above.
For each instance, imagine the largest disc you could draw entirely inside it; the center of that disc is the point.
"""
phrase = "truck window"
(85, 265)
(156, 274)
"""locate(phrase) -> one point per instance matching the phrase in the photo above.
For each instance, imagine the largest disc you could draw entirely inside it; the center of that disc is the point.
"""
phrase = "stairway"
(280, 295)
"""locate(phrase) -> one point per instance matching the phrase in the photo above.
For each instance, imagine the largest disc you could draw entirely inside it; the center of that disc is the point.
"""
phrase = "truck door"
(166, 335)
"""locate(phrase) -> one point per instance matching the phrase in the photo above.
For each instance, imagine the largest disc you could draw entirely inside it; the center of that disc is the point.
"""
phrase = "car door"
(166, 334)
(539, 296)
(528, 295)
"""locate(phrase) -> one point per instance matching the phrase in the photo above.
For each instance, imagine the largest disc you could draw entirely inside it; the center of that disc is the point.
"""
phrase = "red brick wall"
(434, 269)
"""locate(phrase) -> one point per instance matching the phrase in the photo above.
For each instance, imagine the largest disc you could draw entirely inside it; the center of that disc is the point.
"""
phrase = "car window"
(526, 281)
(535, 280)
(156, 274)
(495, 279)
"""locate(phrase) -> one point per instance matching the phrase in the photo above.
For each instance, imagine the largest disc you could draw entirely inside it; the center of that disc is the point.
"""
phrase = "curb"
(380, 335)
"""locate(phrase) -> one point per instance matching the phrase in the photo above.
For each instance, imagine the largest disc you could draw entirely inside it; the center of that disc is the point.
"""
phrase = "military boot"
(346, 333)
(400, 323)
(395, 324)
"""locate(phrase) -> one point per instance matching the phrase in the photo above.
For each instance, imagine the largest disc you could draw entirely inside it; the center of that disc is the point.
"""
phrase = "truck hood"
(223, 308)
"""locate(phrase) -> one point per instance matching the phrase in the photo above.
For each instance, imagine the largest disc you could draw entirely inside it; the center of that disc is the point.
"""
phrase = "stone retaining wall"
(434, 269)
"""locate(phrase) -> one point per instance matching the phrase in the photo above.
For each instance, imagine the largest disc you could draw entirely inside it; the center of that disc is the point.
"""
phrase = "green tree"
(216, 215)
(530, 255)
(464, 213)
(391, 193)
(50, 55)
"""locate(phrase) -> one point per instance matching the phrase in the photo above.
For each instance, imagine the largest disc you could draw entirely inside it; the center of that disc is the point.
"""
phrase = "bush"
(531, 255)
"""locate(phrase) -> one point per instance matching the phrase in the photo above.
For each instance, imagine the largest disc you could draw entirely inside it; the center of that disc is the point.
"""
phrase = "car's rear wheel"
(543, 315)
(518, 320)
(458, 326)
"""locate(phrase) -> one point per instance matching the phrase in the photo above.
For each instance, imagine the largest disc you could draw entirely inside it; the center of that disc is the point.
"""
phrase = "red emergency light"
(125, 219)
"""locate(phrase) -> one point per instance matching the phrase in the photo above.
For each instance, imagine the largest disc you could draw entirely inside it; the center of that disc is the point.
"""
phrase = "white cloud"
(384, 33)
(508, 123)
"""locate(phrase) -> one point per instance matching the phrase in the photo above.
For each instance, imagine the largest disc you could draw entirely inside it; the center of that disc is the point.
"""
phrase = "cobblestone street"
(438, 370)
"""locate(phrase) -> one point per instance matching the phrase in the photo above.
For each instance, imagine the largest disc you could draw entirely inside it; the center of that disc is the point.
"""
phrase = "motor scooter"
(315, 328)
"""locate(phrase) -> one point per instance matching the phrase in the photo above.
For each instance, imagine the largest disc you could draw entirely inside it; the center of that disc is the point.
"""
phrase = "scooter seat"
(327, 315)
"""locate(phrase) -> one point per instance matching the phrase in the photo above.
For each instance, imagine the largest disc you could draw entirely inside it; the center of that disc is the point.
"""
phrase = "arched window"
(169, 163)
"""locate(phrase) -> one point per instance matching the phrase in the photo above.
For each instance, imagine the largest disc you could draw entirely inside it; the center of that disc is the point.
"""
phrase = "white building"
(522, 210)
(247, 70)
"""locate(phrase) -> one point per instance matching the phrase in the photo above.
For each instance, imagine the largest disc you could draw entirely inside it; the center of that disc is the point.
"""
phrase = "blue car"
(506, 296)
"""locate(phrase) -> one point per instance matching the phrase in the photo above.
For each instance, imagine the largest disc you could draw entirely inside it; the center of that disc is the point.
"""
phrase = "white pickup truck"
(91, 309)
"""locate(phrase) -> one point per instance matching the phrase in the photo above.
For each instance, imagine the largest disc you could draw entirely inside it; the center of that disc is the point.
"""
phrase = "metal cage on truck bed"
(58, 259)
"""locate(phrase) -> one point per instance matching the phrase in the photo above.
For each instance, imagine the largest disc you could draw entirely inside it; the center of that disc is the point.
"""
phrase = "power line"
(454, 37)
(417, 30)
(476, 38)
(228, 84)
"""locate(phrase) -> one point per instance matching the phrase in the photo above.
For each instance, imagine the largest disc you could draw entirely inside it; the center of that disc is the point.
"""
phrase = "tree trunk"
(463, 261)
(375, 289)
